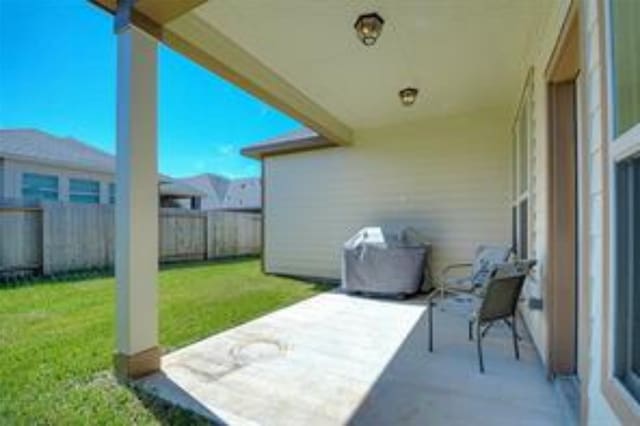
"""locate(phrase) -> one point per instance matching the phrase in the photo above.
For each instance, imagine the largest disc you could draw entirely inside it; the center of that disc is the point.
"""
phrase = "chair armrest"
(448, 268)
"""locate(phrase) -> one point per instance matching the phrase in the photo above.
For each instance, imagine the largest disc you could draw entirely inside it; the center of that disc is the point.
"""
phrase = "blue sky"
(57, 73)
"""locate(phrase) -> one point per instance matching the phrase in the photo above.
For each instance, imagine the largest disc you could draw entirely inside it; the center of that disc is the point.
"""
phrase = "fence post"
(206, 235)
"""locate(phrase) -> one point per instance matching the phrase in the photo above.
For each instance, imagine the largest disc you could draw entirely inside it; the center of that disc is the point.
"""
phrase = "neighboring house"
(227, 194)
(36, 166)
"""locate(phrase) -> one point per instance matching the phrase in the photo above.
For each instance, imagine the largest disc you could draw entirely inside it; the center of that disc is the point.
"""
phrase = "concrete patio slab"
(338, 359)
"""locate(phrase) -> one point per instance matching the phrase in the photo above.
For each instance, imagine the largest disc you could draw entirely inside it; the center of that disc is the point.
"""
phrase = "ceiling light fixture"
(408, 96)
(369, 27)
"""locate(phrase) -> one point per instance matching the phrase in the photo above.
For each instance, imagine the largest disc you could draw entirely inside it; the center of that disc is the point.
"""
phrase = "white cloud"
(225, 150)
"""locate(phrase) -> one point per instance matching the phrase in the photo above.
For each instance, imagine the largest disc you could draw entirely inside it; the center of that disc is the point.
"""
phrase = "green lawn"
(57, 339)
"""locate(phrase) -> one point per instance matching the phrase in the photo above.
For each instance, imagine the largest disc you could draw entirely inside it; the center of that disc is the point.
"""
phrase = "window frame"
(619, 148)
(111, 189)
(84, 193)
(522, 198)
(56, 191)
(626, 301)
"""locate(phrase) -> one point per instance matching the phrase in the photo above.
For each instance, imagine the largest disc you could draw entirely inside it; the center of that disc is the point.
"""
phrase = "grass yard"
(57, 339)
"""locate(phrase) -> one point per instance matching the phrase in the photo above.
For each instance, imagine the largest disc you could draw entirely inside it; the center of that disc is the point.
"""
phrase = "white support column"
(136, 254)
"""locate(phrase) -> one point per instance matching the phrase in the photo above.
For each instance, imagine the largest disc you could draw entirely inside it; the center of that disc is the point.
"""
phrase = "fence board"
(77, 237)
(20, 239)
(182, 235)
(233, 234)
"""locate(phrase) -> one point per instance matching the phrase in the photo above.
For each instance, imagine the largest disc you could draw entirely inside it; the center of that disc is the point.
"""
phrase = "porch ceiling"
(303, 57)
(462, 54)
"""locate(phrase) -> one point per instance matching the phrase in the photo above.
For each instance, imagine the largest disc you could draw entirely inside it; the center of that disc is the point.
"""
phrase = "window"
(521, 168)
(627, 350)
(625, 15)
(625, 155)
(84, 191)
(39, 187)
(112, 193)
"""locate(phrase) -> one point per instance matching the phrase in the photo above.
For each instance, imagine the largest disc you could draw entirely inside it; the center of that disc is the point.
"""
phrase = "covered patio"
(458, 161)
(338, 359)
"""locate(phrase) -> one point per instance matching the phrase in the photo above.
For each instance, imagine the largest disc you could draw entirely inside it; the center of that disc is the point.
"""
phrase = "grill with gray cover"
(380, 262)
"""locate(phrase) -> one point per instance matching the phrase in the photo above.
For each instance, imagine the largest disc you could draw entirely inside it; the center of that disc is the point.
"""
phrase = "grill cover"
(376, 261)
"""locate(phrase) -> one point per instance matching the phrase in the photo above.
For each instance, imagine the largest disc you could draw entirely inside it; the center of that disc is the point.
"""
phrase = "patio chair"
(499, 302)
(486, 256)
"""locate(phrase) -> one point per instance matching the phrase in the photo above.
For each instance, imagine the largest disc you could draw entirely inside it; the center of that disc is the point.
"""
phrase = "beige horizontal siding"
(448, 177)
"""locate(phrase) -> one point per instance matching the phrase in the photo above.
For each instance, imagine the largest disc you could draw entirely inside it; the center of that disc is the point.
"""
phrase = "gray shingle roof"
(227, 194)
(215, 186)
(39, 146)
(244, 194)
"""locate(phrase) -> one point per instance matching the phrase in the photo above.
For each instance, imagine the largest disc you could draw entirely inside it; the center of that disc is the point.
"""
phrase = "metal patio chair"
(499, 302)
(486, 256)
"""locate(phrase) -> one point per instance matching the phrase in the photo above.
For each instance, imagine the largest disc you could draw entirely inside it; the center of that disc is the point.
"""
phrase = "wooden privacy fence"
(77, 237)
(20, 239)
(61, 237)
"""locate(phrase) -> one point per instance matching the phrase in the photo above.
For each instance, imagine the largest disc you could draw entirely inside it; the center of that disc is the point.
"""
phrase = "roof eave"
(57, 163)
(290, 146)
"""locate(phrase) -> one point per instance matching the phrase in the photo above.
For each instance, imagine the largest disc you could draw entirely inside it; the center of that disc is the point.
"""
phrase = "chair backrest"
(502, 293)
(486, 257)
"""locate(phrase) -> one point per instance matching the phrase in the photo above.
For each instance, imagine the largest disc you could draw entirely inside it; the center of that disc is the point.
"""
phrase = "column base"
(135, 366)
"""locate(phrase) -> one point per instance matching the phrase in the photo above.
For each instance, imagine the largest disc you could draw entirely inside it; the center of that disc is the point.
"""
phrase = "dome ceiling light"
(369, 27)
(408, 96)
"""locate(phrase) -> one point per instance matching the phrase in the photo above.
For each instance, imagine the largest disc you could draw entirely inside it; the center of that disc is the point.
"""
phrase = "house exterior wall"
(537, 59)
(14, 169)
(592, 237)
(447, 177)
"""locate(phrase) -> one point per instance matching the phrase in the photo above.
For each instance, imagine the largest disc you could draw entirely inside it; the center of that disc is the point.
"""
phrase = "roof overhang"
(196, 39)
(286, 146)
(56, 163)
(152, 15)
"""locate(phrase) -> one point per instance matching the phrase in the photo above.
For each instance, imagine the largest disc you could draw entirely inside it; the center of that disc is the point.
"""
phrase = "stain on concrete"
(249, 351)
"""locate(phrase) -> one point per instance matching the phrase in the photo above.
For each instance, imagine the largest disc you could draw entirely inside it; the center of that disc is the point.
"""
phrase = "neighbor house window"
(84, 191)
(625, 18)
(521, 194)
(39, 187)
(625, 155)
(112, 193)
